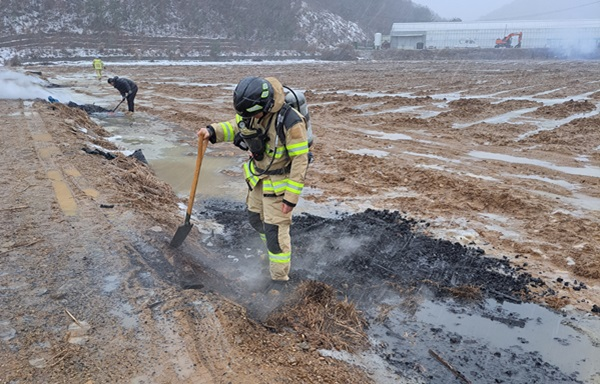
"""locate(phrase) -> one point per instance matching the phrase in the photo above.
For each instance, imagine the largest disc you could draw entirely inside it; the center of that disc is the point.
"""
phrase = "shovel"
(185, 229)
(122, 100)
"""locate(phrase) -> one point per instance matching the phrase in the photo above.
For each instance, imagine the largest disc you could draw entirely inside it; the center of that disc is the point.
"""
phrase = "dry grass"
(466, 292)
(315, 312)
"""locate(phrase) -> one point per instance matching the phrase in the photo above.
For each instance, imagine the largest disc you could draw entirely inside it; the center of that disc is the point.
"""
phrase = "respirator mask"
(254, 140)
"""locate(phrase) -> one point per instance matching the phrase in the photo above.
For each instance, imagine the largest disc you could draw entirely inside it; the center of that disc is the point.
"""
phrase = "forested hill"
(376, 15)
(320, 22)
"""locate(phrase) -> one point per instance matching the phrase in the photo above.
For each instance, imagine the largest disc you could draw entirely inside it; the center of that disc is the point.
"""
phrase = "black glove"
(239, 142)
(213, 135)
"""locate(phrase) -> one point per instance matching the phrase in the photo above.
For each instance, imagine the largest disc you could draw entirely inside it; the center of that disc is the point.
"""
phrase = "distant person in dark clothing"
(127, 88)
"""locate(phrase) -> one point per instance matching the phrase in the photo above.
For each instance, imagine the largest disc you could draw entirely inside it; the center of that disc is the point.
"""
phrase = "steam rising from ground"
(14, 85)
(576, 45)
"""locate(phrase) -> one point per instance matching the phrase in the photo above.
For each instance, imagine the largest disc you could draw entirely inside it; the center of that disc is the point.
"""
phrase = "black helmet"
(253, 95)
(112, 79)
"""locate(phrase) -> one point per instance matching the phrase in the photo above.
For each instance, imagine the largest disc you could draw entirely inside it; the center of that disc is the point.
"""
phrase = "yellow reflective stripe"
(298, 149)
(280, 257)
(252, 180)
(254, 108)
(227, 131)
(268, 187)
(279, 187)
(265, 92)
(294, 187)
(276, 187)
(263, 237)
(279, 151)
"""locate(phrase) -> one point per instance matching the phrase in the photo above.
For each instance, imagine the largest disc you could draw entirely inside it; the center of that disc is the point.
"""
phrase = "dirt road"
(90, 289)
(494, 158)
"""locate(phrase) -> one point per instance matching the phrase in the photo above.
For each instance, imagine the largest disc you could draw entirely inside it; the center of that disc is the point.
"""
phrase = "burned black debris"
(385, 262)
(367, 248)
(88, 108)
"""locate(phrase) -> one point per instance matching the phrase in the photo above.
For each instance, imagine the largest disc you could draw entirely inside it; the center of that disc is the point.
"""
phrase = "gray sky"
(467, 10)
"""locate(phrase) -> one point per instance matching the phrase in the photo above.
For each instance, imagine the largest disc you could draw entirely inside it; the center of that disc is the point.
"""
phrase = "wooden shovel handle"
(202, 144)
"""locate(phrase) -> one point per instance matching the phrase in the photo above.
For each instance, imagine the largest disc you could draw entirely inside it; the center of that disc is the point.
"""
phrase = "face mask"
(255, 139)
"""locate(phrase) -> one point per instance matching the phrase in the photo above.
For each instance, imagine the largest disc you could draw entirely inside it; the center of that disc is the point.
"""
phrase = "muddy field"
(449, 232)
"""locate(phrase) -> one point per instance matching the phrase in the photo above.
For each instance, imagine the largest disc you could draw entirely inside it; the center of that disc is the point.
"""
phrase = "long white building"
(574, 35)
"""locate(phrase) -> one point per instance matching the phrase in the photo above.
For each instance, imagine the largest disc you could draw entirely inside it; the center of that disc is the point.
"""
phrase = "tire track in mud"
(81, 260)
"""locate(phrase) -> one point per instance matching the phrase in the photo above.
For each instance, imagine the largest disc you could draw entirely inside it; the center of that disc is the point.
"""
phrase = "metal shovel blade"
(181, 234)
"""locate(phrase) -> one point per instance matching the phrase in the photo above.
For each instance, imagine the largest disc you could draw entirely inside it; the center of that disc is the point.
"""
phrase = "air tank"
(298, 101)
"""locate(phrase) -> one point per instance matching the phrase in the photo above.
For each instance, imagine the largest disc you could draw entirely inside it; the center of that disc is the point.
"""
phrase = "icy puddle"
(513, 343)
(171, 153)
(580, 171)
(392, 136)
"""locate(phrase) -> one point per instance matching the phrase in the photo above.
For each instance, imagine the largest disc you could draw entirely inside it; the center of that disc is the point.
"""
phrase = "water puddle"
(496, 340)
(578, 200)
(547, 92)
(449, 96)
(501, 225)
(171, 153)
(583, 171)
(388, 136)
(438, 167)
(549, 125)
(517, 116)
(414, 110)
(369, 152)
(429, 156)
(561, 183)
(503, 118)
(582, 159)
(393, 136)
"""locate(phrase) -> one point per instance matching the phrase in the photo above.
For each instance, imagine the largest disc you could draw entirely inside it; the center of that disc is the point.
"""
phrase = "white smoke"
(14, 85)
(574, 45)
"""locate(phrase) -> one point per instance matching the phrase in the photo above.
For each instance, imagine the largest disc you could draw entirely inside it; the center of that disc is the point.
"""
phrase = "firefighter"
(276, 140)
(98, 66)
(127, 88)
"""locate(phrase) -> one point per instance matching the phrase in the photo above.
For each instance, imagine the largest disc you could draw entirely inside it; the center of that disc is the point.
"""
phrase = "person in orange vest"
(98, 66)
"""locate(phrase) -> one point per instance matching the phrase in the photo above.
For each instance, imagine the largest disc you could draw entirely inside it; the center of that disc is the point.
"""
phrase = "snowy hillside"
(180, 29)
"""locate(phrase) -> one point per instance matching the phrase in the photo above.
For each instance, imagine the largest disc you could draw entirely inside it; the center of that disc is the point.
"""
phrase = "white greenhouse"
(580, 35)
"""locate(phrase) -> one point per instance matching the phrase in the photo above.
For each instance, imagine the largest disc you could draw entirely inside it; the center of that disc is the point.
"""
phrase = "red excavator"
(506, 42)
